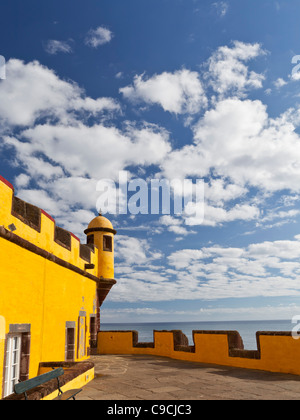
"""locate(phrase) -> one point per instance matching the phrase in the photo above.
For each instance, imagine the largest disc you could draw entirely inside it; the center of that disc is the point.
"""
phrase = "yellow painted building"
(51, 289)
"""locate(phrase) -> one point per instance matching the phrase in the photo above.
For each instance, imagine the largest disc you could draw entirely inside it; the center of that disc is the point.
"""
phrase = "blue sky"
(164, 89)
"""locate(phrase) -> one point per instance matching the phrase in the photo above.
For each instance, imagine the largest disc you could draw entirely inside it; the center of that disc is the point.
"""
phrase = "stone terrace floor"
(157, 378)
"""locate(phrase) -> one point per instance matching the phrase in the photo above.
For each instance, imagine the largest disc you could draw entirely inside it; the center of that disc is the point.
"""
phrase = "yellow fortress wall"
(50, 291)
(277, 351)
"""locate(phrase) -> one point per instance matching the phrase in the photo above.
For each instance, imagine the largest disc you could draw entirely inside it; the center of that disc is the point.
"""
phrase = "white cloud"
(279, 83)
(42, 199)
(22, 180)
(279, 214)
(32, 91)
(65, 151)
(175, 225)
(244, 272)
(179, 92)
(295, 76)
(217, 191)
(134, 252)
(73, 159)
(53, 47)
(238, 141)
(63, 142)
(58, 197)
(77, 223)
(228, 73)
(98, 151)
(221, 8)
(99, 36)
(261, 269)
(61, 150)
(214, 216)
(236, 145)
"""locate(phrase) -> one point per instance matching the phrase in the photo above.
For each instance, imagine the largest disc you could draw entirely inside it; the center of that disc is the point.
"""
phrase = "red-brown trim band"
(99, 229)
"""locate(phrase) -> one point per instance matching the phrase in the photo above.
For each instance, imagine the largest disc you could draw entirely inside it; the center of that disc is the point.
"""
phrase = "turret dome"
(100, 223)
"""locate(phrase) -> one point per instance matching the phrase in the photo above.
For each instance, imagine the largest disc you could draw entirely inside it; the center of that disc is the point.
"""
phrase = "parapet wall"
(35, 226)
(276, 351)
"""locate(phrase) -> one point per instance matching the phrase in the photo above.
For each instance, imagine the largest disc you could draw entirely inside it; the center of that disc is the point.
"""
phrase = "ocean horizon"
(246, 329)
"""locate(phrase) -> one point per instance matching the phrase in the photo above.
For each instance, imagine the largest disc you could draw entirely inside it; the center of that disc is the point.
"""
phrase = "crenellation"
(85, 253)
(27, 213)
(37, 226)
(276, 351)
(62, 237)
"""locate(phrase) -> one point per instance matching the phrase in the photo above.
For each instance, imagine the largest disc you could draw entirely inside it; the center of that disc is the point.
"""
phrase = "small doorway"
(70, 342)
(12, 363)
(93, 332)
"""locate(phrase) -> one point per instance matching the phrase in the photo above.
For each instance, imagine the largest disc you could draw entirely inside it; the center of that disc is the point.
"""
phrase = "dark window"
(90, 240)
(107, 243)
(93, 332)
(70, 344)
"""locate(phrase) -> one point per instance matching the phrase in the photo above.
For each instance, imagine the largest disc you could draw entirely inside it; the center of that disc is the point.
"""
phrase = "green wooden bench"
(23, 387)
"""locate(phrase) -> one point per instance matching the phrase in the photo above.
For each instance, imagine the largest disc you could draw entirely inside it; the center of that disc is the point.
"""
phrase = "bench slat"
(67, 395)
(22, 387)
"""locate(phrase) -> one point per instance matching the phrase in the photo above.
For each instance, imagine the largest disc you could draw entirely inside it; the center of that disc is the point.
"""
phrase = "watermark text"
(155, 196)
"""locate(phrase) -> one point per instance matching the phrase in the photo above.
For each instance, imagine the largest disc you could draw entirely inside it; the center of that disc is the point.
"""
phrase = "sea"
(247, 329)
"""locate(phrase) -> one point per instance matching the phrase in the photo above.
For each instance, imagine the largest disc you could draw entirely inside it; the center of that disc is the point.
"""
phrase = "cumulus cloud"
(180, 92)
(279, 83)
(228, 72)
(53, 47)
(99, 36)
(175, 225)
(210, 273)
(239, 141)
(249, 271)
(33, 91)
(63, 138)
(218, 191)
(214, 216)
(134, 252)
(66, 142)
(103, 153)
(73, 159)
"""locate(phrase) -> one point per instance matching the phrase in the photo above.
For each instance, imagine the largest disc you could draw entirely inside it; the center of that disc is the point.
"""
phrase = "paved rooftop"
(157, 378)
